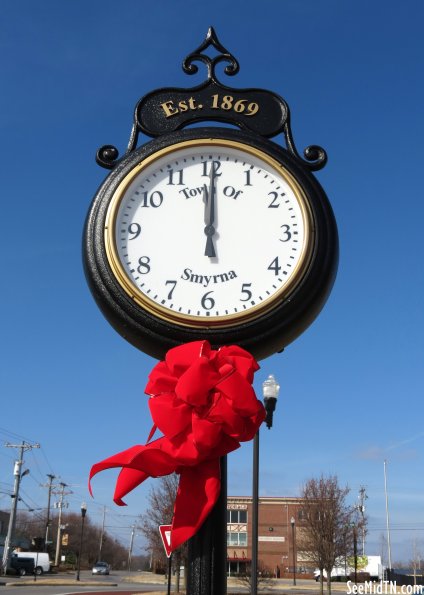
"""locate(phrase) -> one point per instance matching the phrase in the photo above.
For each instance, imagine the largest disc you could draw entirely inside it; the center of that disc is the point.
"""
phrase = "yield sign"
(165, 533)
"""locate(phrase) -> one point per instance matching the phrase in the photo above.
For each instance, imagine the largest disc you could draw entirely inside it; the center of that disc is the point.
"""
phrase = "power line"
(47, 461)
(14, 436)
(382, 528)
(37, 466)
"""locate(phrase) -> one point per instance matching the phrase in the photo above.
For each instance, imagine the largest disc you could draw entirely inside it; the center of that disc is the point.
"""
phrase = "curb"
(58, 583)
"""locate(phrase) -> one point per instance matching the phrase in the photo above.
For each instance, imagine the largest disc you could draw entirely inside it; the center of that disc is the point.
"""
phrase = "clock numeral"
(216, 167)
(287, 233)
(247, 182)
(207, 302)
(173, 283)
(275, 266)
(134, 229)
(178, 176)
(154, 200)
(274, 197)
(246, 291)
(143, 265)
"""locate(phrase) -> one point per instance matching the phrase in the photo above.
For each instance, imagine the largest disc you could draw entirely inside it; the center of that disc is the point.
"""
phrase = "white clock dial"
(208, 231)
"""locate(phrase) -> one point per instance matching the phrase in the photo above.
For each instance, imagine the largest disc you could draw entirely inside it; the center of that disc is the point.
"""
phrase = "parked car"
(41, 560)
(22, 565)
(100, 568)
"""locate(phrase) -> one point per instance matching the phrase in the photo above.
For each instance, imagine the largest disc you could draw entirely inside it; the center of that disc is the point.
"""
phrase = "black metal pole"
(36, 566)
(207, 550)
(169, 574)
(83, 511)
(255, 515)
(294, 552)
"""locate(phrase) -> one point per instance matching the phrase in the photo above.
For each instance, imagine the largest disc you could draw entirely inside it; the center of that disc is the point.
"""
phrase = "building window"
(237, 539)
(236, 516)
(236, 567)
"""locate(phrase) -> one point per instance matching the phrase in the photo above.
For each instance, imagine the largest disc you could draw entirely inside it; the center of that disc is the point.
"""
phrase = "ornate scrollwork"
(223, 56)
(108, 155)
(169, 109)
(315, 156)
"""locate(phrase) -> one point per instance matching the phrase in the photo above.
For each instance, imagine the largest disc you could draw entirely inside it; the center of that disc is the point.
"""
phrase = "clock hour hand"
(209, 198)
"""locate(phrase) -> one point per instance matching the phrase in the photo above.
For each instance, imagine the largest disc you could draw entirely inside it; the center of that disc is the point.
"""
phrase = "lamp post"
(83, 513)
(270, 391)
(293, 523)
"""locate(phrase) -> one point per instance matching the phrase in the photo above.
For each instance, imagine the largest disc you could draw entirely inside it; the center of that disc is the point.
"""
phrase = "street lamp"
(292, 522)
(83, 513)
(270, 390)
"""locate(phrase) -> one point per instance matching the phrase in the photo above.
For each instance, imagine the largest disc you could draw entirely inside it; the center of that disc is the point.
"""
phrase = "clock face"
(208, 232)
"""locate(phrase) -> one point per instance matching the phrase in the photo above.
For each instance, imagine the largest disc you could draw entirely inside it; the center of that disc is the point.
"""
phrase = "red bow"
(204, 403)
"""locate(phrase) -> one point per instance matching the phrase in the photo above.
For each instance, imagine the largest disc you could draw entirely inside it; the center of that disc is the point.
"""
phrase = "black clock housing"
(262, 336)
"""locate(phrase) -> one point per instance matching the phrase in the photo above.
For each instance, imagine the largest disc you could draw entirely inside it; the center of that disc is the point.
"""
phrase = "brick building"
(279, 522)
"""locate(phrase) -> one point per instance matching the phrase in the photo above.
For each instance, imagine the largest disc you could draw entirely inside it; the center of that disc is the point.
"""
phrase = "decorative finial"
(211, 40)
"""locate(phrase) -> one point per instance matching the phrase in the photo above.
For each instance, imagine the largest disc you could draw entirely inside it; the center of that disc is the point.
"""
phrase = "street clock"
(212, 232)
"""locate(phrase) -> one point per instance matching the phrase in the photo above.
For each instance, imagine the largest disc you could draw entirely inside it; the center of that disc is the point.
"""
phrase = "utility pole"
(361, 508)
(49, 486)
(59, 521)
(8, 543)
(102, 533)
(131, 547)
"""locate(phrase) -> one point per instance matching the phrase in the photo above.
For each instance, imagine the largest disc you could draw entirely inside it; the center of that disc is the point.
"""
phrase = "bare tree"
(263, 579)
(327, 534)
(416, 561)
(159, 512)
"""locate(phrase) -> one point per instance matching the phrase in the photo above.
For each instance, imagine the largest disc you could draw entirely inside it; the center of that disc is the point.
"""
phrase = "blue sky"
(352, 384)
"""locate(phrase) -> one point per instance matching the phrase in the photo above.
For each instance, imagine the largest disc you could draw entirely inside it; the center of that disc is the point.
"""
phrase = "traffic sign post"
(165, 533)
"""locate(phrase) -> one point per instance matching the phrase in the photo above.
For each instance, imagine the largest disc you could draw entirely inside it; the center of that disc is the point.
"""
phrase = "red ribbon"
(203, 402)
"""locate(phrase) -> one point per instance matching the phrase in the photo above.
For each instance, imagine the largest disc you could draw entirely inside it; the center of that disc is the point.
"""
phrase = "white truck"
(41, 560)
(371, 566)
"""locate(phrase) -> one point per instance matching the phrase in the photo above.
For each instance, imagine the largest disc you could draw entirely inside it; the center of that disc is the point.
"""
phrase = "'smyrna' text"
(205, 280)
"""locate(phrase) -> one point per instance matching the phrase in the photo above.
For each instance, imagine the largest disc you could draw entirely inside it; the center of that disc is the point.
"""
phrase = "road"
(115, 583)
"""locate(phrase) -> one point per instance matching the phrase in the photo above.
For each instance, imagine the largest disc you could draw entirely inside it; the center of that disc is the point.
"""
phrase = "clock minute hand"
(210, 214)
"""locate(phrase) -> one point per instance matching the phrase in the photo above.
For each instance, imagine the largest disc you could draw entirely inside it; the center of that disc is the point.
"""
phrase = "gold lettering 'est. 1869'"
(224, 103)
